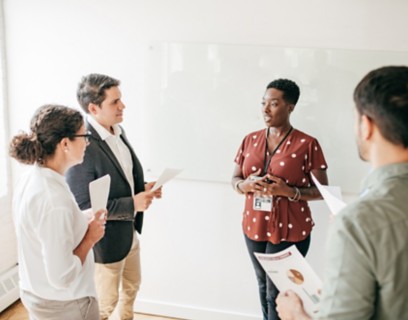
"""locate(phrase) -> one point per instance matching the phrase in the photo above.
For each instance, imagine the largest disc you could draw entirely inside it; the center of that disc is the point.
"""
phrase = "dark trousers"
(267, 290)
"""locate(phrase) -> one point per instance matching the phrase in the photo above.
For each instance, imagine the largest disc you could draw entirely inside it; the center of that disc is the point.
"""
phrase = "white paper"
(166, 176)
(332, 196)
(99, 192)
(289, 270)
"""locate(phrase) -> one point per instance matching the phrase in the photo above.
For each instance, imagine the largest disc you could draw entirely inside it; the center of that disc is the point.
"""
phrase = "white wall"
(8, 252)
(194, 260)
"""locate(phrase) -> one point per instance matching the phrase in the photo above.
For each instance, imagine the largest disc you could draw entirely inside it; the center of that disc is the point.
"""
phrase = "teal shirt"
(367, 268)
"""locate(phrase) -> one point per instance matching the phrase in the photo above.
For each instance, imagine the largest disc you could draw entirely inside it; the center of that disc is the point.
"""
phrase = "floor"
(17, 312)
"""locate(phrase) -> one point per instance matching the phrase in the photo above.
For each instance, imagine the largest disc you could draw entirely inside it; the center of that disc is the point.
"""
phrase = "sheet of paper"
(99, 192)
(289, 270)
(332, 196)
(166, 176)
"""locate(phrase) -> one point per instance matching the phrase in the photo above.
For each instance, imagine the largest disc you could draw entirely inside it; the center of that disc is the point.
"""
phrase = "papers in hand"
(99, 192)
(289, 270)
(166, 175)
(330, 194)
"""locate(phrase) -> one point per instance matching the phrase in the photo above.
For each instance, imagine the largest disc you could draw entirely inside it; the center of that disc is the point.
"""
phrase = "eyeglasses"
(87, 136)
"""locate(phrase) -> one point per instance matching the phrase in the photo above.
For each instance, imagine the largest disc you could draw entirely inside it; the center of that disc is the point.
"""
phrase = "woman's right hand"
(250, 184)
(94, 233)
(96, 226)
(143, 200)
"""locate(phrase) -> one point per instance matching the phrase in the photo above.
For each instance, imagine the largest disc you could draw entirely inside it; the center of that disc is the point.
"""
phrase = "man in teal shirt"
(367, 247)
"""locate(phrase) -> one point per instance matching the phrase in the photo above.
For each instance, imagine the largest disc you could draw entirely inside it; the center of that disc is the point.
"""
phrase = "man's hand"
(290, 307)
(143, 200)
(156, 193)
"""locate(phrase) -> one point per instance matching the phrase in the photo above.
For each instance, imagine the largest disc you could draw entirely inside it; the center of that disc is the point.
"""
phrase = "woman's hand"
(271, 185)
(252, 183)
(96, 226)
(94, 233)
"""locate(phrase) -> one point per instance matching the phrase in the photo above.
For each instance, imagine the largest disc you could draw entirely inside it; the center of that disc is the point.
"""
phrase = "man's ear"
(93, 109)
(366, 127)
(291, 107)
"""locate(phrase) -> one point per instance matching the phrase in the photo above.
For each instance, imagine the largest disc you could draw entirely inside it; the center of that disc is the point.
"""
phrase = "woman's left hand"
(276, 186)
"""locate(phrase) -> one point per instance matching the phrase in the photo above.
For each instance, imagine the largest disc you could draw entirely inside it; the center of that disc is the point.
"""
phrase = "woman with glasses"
(55, 239)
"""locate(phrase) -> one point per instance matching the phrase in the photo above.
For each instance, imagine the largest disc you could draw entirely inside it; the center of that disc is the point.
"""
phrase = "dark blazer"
(99, 160)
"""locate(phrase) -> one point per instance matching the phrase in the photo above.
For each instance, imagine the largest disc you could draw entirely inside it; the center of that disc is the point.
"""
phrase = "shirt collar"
(103, 133)
(377, 176)
(49, 173)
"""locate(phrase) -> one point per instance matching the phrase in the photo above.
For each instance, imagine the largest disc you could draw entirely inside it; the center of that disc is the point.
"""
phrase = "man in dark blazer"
(117, 254)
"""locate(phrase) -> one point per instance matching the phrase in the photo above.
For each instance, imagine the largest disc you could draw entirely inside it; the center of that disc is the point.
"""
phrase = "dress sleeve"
(349, 283)
(239, 158)
(315, 157)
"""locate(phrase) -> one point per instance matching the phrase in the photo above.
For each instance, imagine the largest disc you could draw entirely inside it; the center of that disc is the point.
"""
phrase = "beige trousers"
(119, 281)
(43, 309)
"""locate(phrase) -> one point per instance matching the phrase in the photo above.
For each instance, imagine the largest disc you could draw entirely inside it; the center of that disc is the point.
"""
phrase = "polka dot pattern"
(293, 161)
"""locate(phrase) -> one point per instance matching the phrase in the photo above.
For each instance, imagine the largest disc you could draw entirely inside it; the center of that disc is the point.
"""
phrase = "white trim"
(9, 290)
(4, 92)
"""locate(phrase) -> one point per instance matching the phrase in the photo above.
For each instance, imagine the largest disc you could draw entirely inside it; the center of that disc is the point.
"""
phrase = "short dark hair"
(92, 88)
(49, 125)
(382, 95)
(290, 89)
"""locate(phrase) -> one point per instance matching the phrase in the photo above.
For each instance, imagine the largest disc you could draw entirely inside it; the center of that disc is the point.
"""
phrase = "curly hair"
(290, 89)
(49, 125)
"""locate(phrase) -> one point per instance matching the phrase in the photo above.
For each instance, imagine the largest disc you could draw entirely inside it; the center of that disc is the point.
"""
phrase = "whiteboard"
(202, 99)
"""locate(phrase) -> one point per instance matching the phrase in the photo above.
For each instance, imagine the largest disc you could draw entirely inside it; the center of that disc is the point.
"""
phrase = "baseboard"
(188, 312)
(9, 290)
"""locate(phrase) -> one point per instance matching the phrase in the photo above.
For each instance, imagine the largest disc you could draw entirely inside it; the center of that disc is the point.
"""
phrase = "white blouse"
(49, 226)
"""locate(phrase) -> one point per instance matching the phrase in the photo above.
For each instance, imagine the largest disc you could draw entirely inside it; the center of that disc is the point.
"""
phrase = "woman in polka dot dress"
(272, 171)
